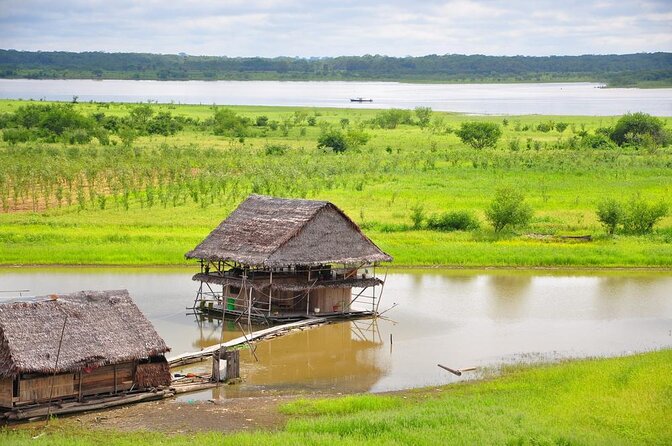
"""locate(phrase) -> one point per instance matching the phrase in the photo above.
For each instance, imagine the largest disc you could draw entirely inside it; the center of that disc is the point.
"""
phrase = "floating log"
(453, 371)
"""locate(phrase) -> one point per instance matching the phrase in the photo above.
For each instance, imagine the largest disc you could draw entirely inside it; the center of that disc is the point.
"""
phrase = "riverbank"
(624, 400)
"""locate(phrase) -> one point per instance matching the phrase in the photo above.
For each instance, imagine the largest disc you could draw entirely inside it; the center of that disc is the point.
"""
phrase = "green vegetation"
(479, 135)
(508, 208)
(624, 400)
(642, 70)
(150, 181)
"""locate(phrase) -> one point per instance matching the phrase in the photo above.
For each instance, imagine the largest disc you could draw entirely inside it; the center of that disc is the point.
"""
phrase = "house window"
(234, 290)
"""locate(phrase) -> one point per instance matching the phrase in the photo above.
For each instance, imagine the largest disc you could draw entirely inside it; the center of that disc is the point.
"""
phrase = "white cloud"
(345, 27)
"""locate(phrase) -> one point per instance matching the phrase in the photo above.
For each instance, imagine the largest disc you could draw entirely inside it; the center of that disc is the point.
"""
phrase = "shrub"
(390, 119)
(417, 215)
(423, 114)
(453, 221)
(596, 142)
(638, 128)
(229, 123)
(561, 126)
(610, 214)
(640, 216)
(508, 208)
(334, 140)
(479, 135)
(14, 135)
(261, 121)
(276, 149)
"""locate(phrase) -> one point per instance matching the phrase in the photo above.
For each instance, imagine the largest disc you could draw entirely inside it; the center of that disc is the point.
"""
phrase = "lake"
(458, 318)
(497, 99)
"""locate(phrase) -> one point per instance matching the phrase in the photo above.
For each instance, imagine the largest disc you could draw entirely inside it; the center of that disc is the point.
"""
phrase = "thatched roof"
(103, 327)
(267, 231)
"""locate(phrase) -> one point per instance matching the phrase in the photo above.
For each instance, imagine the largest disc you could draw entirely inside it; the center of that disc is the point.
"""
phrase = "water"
(456, 318)
(511, 99)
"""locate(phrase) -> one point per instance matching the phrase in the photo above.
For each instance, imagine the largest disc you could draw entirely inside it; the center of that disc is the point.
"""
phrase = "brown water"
(456, 318)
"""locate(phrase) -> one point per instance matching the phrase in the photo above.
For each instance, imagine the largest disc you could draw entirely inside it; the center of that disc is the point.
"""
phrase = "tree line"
(653, 69)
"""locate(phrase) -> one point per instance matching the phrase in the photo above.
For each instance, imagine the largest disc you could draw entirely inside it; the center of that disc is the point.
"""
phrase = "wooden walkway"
(187, 358)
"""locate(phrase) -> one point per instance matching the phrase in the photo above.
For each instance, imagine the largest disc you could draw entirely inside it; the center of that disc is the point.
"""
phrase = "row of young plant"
(508, 209)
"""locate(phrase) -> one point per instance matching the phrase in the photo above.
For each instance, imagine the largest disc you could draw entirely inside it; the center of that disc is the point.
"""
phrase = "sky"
(316, 28)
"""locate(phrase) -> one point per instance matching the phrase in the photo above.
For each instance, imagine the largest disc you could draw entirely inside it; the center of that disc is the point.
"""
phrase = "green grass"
(617, 401)
(203, 177)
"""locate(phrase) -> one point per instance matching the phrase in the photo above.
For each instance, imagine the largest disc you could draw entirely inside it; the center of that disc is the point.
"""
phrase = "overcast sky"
(344, 27)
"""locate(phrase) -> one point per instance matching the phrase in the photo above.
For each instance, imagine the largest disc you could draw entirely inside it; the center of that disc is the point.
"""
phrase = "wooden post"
(270, 293)
(215, 366)
(232, 364)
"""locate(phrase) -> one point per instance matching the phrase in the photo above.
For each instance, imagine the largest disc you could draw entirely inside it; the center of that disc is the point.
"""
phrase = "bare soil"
(178, 417)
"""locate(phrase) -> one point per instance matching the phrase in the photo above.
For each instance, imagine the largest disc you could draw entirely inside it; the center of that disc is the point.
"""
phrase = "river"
(496, 99)
(458, 318)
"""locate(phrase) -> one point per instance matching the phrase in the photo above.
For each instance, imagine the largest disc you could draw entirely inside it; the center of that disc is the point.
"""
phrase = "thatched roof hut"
(102, 328)
(274, 232)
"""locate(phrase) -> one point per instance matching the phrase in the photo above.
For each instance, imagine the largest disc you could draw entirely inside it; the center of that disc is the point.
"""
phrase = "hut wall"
(6, 392)
(40, 388)
(102, 379)
(330, 299)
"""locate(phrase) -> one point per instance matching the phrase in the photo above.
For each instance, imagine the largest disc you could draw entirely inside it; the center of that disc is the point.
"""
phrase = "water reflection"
(457, 318)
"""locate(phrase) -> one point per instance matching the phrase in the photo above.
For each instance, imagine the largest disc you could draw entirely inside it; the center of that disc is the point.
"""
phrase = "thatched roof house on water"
(74, 348)
(279, 258)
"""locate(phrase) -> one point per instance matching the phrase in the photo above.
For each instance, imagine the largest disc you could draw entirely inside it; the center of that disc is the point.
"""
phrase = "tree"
(610, 214)
(424, 115)
(508, 208)
(479, 135)
(639, 128)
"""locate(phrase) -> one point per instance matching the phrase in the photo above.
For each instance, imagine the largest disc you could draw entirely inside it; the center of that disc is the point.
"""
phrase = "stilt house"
(76, 348)
(281, 259)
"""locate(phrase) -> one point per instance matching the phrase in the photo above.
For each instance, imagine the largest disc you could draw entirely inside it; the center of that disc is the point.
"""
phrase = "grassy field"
(613, 401)
(150, 201)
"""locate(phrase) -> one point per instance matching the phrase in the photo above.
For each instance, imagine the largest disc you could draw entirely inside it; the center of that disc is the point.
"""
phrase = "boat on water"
(360, 100)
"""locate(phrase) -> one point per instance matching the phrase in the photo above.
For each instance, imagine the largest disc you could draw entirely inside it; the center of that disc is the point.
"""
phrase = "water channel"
(508, 99)
(460, 318)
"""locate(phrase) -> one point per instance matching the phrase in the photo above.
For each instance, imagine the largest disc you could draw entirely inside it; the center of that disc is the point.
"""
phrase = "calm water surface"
(456, 318)
(512, 99)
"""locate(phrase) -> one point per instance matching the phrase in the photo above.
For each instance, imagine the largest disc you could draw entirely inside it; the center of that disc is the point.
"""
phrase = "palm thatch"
(102, 327)
(272, 232)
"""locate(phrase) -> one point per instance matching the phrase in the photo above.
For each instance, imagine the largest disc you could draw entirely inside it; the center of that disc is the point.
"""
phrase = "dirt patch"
(177, 417)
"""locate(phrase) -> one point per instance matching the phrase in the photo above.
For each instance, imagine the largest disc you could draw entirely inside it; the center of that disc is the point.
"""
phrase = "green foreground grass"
(196, 179)
(626, 400)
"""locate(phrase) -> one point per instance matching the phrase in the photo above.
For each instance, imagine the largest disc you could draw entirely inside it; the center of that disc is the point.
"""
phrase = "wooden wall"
(102, 379)
(6, 392)
(40, 388)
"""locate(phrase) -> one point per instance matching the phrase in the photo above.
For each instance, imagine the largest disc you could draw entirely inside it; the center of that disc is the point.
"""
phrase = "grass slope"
(615, 401)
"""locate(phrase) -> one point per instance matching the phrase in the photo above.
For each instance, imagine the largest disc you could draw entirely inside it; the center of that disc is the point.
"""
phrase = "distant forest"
(642, 70)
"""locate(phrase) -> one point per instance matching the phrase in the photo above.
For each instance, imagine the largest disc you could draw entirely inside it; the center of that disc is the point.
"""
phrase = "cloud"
(346, 27)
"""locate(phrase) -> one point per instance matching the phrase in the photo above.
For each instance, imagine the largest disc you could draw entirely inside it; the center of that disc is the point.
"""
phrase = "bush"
(639, 129)
(276, 149)
(417, 215)
(423, 114)
(14, 135)
(508, 208)
(228, 123)
(561, 126)
(610, 214)
(453, 221)
(261, 121)
(640, 216)
(390, 119)
(479, 135)
(334, 140)
(596, 142)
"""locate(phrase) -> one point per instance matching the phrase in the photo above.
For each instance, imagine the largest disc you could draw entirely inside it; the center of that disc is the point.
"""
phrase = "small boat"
(360, 100)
